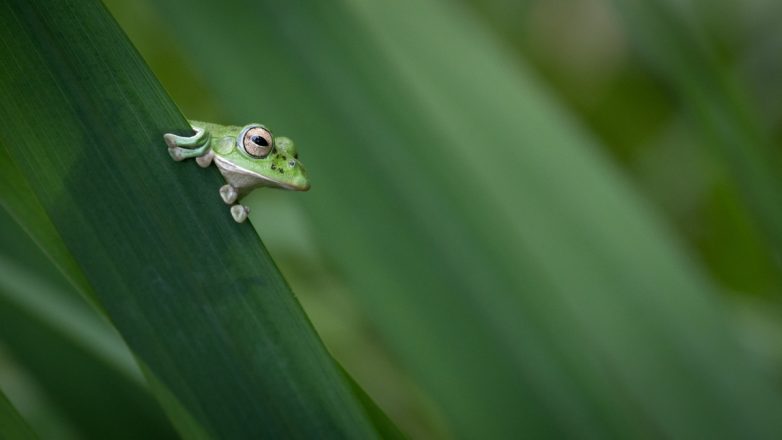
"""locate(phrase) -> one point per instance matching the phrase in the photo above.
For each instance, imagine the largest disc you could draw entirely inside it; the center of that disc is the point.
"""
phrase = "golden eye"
(258, 142)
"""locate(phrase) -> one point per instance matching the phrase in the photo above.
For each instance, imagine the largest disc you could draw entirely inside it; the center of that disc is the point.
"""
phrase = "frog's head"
(274, 158)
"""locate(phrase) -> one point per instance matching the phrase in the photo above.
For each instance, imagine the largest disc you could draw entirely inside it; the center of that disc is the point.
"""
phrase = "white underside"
(243, 179)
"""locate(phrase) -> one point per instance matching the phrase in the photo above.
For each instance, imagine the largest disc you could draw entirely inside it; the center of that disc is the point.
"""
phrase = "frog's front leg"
(186, 147)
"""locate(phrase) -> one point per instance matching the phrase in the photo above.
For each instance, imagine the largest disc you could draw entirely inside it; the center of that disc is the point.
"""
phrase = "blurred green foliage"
(11, 424)
(551, 218)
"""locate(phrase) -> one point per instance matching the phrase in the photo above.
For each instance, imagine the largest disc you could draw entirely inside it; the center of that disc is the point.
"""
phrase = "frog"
(248, 157)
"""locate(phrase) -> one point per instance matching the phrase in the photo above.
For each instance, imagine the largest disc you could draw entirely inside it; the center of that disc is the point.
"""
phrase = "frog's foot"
(239, 213)
(179, 154)
(200, 138)
(206, 159)
(185, 147)
(229, 194)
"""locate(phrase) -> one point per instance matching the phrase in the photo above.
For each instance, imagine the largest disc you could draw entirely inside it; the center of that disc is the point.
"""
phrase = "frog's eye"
(257, 142)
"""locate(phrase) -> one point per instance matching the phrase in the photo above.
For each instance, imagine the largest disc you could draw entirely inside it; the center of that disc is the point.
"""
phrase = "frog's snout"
(301, 183)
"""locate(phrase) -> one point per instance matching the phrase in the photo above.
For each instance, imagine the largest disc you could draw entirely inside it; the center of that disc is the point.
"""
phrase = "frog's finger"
(228, 193)
(179, 154)
(239, 213)
(199, 139)
(206, 159)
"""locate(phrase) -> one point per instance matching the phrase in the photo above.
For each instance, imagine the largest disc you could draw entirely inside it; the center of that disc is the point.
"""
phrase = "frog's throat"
(245, 180)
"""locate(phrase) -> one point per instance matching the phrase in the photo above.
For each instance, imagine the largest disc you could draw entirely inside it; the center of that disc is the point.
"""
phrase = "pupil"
(259, 140)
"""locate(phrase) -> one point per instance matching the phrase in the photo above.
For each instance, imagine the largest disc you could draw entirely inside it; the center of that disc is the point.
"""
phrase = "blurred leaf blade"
(12, 425)
(196, 297)
(675, 41)
(91, 338)
(113, 400)
(462, 204)
(32, 283)
(18, 199)
(379, 419)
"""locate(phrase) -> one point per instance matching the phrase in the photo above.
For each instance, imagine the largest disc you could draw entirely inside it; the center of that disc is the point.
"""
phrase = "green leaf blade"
(195, 296)
(676, 43)
(69, 356)
(12, 426)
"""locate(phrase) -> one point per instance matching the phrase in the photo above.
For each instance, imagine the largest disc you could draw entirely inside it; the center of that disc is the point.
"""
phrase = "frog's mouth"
(245, 179)
(303, 187)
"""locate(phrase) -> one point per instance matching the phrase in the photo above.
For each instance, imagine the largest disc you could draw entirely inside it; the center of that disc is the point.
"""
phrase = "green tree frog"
(248, 157)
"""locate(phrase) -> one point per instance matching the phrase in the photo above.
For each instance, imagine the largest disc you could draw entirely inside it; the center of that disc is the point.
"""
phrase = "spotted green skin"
(276, 166)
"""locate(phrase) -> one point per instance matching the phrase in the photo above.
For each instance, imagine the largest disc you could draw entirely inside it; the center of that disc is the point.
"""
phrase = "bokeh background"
(551, 218)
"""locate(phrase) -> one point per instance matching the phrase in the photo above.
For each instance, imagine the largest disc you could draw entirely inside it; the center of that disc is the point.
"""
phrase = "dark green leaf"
(196, 296)
(19, 200)
(70, 352)
(12, 426)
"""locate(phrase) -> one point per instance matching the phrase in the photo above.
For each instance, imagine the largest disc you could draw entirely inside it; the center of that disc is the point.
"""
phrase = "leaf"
(12, 425)
(676, 43)
(40, 325)
(19, 200)
(380, 420)
(195, 296)
(18, 197)
(515, 273)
